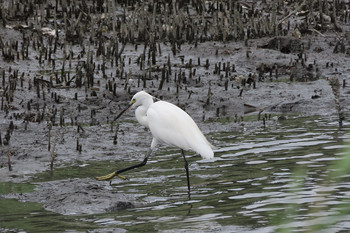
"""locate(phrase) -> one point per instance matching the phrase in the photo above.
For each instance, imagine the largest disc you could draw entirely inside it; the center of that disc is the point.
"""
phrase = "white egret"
(168, 124)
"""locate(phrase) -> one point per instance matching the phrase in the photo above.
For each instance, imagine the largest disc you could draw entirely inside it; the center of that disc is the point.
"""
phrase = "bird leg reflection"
(187, 174)
(116, 173)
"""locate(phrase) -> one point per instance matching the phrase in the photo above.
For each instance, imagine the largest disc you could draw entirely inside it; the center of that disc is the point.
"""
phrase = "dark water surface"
(269, 180)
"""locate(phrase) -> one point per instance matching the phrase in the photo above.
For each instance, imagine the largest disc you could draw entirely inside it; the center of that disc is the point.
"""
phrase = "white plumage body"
(171, 125)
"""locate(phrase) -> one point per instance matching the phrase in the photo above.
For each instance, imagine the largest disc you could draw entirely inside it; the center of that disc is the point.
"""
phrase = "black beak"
(122, 112)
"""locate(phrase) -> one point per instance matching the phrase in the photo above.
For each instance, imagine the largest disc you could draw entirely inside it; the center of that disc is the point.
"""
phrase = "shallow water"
(278, 177)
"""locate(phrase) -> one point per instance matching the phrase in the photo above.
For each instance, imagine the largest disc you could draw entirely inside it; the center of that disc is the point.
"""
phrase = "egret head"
(141, 98)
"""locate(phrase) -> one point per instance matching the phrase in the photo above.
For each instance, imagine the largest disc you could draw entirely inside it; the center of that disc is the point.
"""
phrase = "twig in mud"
(80, 128)
(241, 92)
(318, 32)
(53, 152)
(79, 146)
(209, 96)
(115, 138)
(49, 126)
(9, 160)
(81, 13)
(334, 17)
(293, 12)
(121, 51)
(259, 114)
(334, 82)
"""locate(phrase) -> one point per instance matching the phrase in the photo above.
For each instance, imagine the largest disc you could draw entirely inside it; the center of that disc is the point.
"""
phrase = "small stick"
(53, 152)
(77, 148)
(49, 126)
(292, 13)
(240, 93)
(9, 160)
(80, 128)
(116, 135)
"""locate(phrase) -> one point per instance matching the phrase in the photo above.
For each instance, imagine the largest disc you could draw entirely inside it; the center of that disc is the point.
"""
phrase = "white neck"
(141, 112)
(141, 115)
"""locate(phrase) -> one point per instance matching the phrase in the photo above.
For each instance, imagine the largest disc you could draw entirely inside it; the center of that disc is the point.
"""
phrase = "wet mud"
(67, 70)
(78, 196)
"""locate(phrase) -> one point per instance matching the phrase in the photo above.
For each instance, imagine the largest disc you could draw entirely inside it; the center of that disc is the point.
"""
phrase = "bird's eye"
(133, 101)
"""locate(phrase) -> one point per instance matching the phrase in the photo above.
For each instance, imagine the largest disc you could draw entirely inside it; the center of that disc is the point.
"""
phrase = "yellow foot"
(110, 176)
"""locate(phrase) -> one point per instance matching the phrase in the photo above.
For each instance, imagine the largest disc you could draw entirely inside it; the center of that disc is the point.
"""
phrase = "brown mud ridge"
(66, 70)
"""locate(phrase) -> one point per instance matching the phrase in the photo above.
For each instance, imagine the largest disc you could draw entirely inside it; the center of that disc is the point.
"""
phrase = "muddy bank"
(78, 196)
(66, 74)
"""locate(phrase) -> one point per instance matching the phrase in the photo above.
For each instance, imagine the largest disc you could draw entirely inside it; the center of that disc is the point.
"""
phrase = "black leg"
(143, 163)
(116, 173)
(187, 174)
